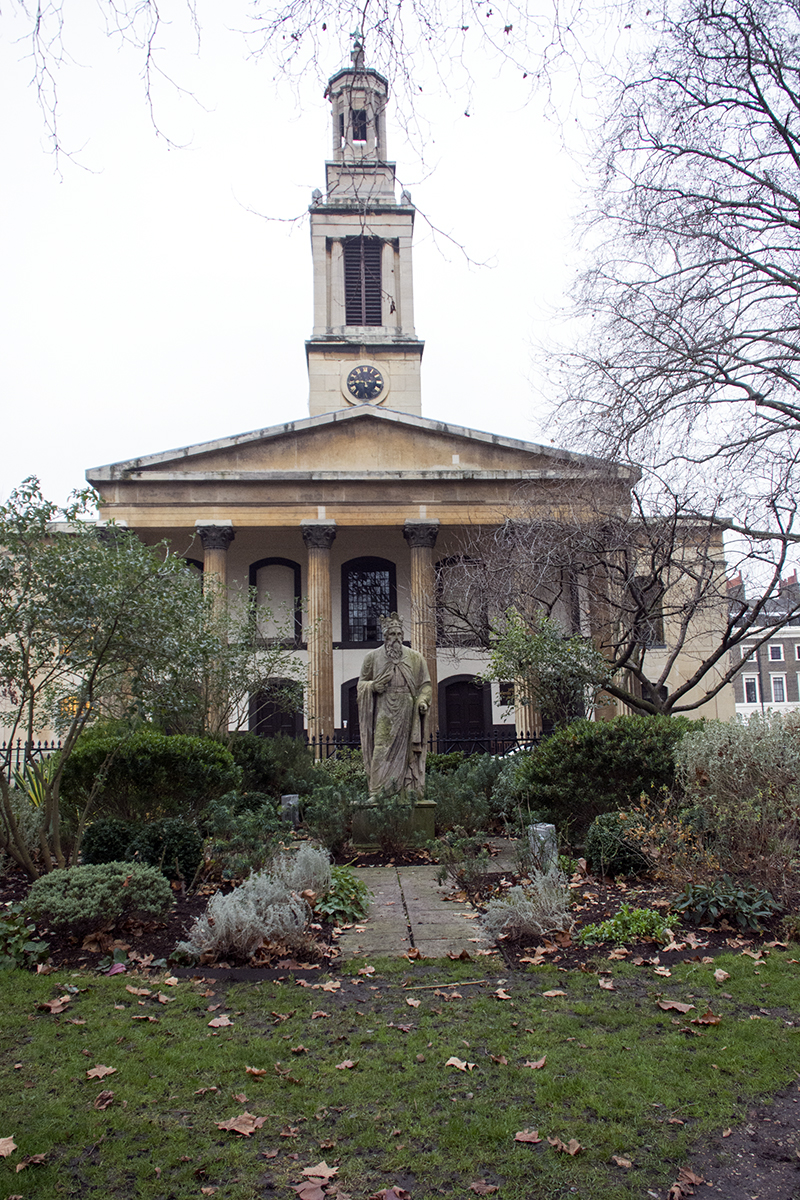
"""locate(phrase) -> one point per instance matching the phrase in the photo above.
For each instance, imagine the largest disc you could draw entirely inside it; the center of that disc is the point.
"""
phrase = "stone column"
(216, 539)
(318, 537)
(421, 537)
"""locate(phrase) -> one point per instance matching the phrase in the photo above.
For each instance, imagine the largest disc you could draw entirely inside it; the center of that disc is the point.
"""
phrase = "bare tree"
(649, 593)
(690, 366)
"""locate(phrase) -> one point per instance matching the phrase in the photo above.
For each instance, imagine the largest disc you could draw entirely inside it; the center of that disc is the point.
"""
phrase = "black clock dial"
(365, 383)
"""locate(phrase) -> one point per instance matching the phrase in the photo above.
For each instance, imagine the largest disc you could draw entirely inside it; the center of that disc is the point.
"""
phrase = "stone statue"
(394, 697)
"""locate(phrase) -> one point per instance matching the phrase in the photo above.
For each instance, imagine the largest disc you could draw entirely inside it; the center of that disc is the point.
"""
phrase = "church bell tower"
(363, 348)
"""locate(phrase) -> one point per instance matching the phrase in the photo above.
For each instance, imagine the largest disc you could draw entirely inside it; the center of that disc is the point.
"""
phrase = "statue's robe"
(394, 733)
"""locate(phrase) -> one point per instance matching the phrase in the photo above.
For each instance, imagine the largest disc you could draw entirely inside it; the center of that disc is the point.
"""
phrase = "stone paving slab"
(408, 909)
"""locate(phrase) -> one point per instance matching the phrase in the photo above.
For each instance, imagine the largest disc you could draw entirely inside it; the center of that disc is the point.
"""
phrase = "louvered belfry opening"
(362, 281)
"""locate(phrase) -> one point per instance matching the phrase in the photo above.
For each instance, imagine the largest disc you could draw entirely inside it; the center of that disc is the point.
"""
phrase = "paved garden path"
(409, 911)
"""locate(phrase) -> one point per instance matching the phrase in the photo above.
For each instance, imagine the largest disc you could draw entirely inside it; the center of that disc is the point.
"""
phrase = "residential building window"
(778, 689)
(506, 694)
(797, 652)
(362, 281)
(369, 592)
(776, 654)
(750, 690)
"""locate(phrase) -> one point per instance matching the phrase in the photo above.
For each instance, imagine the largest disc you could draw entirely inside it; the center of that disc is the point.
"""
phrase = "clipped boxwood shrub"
(609, 851)
(149, 774)
(96, 894)
(278, 766)
(174, 846)
(590, 767)
(107, 840)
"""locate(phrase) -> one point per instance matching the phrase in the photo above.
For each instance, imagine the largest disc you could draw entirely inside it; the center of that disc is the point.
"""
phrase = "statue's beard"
(394, 649)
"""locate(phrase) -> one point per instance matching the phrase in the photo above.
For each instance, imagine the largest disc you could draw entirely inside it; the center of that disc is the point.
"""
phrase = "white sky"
(147, 303)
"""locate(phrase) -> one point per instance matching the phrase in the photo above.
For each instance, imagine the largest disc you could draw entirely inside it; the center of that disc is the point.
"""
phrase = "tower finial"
(357, 52)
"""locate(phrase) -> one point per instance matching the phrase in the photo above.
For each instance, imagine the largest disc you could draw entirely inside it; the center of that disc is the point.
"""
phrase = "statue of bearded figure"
(394, 697)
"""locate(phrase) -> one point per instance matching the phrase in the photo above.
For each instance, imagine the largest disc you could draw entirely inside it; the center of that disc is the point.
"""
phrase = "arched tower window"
(369, 592)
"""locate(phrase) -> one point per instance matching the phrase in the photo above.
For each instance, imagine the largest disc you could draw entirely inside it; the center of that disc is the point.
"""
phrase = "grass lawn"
(620, 1075)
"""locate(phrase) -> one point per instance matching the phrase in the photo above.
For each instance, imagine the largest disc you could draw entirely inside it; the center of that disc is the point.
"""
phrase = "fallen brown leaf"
(55, 1006)
(621, 1162)
(502, 994)
(572, 1147)
(256, 1072)
(347, 1065)
(309, 1190)
(606, 984)
(392, 1193)
(721, 975)
(103, 1100)
(727, 1132)
(134, 991)
(321, 1171)
(245, 1124)
(31, 1160)
(412, 1003)
(527, 1135)
(481, 1188)
(674, 1006)
(100, 1072)
(319, 1013)
(7, 1146)
(687, 1175)
(220, 1022)
(708, 1018)
(500, 1059)
(553, 992)
(459, 1063)
(536, 1066)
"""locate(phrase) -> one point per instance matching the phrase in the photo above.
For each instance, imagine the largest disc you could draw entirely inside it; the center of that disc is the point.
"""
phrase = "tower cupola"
(363, 348)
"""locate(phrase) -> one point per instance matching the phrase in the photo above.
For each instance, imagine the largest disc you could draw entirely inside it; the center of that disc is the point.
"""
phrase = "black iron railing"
(438, 743)
(15, 754)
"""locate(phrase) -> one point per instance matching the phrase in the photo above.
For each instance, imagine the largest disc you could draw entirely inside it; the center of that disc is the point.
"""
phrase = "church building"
(360, 508)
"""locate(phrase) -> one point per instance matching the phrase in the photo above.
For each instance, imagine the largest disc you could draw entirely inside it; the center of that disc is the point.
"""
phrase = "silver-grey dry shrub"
(266, 908)
(526, 913)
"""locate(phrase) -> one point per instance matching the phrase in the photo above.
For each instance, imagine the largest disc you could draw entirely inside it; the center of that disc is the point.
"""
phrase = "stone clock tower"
(363, 349)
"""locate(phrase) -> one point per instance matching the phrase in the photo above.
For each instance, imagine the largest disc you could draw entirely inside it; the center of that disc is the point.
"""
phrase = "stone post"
(421, 537)
(318, 537)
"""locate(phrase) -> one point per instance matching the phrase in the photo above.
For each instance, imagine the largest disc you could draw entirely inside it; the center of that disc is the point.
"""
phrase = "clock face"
(365, 382)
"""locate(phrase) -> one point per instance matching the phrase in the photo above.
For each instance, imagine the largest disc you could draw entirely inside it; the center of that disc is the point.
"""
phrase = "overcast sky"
(154, 297)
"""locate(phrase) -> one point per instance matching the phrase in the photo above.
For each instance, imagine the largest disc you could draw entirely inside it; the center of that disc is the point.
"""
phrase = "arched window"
(277, 584)
(369, 592)
(461, 602)
(465, 712)
(277, 709)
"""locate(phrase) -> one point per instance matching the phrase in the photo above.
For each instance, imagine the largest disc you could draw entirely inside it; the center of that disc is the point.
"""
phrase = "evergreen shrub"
(93, 895)
(149, 774)
(277, 766)
(610, 849)
(589, 767)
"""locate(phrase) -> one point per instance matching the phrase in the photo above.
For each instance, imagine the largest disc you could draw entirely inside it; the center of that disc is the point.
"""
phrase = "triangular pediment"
(357, 443)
